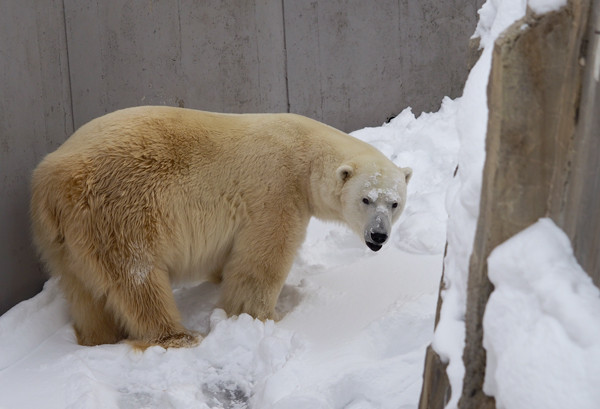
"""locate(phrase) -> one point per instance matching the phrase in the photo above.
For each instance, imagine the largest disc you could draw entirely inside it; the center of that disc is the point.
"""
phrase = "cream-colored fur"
(144, 197)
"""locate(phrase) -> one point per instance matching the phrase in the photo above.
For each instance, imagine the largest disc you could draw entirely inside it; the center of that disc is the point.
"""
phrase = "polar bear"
(145, 197)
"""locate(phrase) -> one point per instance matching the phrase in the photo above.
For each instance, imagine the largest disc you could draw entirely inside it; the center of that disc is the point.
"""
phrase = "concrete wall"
(35, 117)
(211, 55)
(348, 63)
(354, 63)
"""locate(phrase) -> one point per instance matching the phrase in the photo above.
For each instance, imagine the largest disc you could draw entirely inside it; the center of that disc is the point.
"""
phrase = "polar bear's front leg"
(252, 287)
(258, 266)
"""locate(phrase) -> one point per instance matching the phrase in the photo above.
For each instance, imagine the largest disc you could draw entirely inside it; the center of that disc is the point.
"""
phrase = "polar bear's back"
(189, 129)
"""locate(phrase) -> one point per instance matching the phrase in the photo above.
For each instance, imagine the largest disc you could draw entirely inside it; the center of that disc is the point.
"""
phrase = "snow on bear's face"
(373, 198)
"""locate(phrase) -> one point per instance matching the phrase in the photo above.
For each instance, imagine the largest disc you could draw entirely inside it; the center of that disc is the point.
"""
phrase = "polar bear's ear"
(344, 172)
(407, 173)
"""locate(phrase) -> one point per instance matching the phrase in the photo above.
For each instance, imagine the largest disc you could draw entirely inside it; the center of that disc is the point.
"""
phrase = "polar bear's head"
(373, 196)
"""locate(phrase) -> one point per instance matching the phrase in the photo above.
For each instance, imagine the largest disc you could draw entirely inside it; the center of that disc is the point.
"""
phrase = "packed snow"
(541, 324)
(353, 334)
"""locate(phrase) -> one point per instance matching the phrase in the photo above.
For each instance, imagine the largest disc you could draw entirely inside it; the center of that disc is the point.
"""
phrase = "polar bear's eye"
(394, 205)
(365, 200)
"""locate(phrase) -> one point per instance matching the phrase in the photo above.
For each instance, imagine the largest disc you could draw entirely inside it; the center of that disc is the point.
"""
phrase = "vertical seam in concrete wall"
(320, 71)
(180, 38)
(258, 62)
(285, 58)
(64, 13)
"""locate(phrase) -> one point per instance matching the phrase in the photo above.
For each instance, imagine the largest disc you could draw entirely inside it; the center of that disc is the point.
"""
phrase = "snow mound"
(541, 324)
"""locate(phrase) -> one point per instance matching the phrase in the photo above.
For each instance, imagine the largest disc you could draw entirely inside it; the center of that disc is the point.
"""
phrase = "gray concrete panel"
(123, 54)
(35, 117)
(352, 63)
(211, 55)
(434, 36)
(233, 54)
(343, 61)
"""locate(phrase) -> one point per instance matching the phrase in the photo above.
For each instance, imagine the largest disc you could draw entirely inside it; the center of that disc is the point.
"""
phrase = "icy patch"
(541, 324)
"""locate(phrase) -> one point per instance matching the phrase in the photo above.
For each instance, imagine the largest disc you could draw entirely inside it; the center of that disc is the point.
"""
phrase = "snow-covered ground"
(354, 333)
(541, 324)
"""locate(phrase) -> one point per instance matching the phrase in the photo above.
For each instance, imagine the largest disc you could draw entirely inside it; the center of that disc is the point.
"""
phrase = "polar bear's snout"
(377, 231)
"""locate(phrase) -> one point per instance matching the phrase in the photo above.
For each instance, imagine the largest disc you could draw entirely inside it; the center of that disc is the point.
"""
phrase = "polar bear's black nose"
(379, 237)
